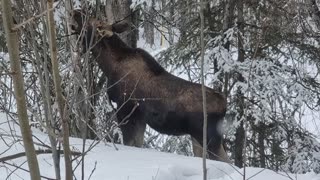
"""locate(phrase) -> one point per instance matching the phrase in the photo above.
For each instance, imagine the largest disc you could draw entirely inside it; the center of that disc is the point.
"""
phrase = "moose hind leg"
(220, 155)
(215, 147)
(215, 150)
(197, 148)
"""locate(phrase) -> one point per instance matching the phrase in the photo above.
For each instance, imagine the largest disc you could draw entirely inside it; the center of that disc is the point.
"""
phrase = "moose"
(146, 93)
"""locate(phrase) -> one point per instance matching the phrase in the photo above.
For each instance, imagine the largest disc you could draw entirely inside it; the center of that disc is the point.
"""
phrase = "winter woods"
(262, 55)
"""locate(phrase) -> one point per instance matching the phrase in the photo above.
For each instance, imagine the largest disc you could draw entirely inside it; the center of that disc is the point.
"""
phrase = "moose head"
(95, 30)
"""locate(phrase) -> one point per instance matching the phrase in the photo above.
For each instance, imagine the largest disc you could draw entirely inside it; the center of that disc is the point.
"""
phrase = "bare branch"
(42, 151)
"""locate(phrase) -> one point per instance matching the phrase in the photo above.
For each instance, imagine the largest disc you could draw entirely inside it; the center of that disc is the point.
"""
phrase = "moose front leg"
(132, 126)
(133, 132)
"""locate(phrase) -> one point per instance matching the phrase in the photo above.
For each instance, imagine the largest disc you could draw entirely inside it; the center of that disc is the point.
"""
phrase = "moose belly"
(171, 123)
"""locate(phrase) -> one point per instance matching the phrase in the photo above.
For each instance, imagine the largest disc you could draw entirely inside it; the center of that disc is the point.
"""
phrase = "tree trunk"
(18, 85)
(203, 89)
(170, 30)
(59, 96)
(238, 151)
(261, 138)
(149, 18)
(120, 11)
(240, 132)
(227, 23)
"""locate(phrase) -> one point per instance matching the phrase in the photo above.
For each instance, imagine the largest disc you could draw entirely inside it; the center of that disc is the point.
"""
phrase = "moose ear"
(120, 27)
(78, 17)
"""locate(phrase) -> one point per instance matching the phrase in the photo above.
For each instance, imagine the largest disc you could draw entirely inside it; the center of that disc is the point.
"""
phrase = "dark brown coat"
(147, 94)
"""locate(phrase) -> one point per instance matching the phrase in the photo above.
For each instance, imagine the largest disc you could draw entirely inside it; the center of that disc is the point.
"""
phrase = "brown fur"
(147, 94)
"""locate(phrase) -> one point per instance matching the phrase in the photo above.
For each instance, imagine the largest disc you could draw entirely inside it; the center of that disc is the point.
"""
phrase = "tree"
(58, 91)
(203, 89)
(13, 49)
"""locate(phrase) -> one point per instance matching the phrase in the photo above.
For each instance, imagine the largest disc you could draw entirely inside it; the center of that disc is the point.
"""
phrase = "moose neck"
(115, 43)
(109, 52)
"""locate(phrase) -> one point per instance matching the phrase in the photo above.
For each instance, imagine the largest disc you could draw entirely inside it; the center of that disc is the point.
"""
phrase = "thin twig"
(93, 170)
(18, 167)
(256, 174)
(42, 151)
(18, 26)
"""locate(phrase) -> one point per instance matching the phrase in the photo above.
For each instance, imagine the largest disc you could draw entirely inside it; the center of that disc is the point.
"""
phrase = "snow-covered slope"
(104, 162)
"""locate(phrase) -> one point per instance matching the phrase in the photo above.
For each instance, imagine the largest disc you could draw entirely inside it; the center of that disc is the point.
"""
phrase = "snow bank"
(103, 162)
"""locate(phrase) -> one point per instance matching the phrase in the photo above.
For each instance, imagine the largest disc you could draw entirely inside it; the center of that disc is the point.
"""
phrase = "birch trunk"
(18, 85)
(59, 96)
(203, 88)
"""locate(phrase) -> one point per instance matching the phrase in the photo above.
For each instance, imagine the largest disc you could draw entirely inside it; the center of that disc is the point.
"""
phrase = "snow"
(126, 163)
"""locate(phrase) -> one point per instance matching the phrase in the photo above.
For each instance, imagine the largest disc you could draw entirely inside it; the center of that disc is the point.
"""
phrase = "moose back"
(147, 94)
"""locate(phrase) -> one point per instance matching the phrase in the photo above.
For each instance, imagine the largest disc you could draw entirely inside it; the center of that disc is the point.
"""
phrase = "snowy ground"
(103, 162)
